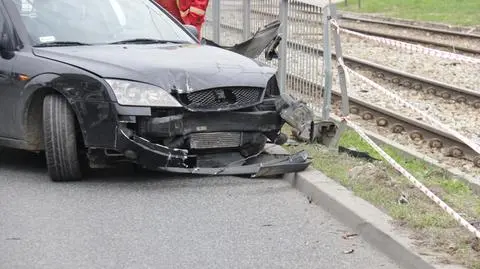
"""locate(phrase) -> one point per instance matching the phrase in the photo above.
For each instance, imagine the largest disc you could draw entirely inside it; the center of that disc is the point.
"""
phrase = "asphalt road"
(119, 220)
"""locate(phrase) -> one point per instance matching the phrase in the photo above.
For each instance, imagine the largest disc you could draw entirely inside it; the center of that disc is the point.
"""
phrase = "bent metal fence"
(301, 75)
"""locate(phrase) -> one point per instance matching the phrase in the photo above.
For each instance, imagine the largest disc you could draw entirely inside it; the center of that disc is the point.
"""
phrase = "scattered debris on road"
(349, 235)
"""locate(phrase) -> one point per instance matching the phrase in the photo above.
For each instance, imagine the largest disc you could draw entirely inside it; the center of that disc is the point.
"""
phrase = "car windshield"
(80, 22)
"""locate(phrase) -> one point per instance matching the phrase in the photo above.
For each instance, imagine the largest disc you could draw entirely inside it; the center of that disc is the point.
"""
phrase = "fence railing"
(300, 62)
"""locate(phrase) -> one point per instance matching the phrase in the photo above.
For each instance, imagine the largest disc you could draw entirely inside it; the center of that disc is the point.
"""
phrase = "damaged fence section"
(304, 62)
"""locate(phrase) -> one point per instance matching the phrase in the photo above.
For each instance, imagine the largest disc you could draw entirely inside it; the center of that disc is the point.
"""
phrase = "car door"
(6, 76)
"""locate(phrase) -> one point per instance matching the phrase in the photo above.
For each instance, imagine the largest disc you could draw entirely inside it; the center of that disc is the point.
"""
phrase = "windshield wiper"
(61, 43)
(146, 41)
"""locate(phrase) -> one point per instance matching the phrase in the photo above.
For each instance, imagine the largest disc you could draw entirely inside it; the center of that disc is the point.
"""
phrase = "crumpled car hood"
(187, 68)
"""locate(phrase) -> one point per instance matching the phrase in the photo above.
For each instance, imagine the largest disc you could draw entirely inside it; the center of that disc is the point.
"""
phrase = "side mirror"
(192, 29)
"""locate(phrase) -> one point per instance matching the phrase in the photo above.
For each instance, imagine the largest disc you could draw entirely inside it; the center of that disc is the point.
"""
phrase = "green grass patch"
(457, 12)
(382, 186)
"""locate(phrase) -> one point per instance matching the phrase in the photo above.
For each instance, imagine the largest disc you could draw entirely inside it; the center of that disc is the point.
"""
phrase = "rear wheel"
(60, 139)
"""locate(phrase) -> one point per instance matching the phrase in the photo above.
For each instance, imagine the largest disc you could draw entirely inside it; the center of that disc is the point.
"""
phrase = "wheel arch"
(33, 117)
(38, 88)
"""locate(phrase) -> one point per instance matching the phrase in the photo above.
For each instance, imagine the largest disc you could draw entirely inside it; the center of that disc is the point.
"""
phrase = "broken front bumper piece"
(158, 157)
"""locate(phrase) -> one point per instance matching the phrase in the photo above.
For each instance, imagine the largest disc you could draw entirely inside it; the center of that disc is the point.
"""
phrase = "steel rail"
(417, 130)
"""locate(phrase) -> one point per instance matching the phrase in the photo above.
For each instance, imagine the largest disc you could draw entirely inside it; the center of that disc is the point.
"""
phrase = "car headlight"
(132, 93)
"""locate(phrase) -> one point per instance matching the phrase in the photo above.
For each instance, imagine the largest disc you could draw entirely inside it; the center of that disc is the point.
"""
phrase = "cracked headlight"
(132, 93)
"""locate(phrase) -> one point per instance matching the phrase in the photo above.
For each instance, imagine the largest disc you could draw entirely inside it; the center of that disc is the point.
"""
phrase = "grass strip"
(435, 232)
(455, 12)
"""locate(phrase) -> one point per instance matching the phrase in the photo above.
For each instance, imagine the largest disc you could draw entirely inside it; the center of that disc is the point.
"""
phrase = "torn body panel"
(264, 40)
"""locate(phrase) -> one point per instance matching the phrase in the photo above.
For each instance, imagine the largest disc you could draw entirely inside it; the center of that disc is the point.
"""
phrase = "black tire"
(60, 139)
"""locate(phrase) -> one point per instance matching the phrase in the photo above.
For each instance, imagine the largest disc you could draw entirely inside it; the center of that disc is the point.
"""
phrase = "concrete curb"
(364, 218)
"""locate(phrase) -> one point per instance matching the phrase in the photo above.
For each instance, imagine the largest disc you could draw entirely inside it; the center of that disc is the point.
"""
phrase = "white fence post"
(216, 21)
(246, 19)
(342, 80)
(282, 64)
(327, 64)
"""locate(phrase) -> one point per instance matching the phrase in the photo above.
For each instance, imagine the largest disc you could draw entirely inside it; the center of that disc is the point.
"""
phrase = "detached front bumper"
(155, 156)
(158, 157)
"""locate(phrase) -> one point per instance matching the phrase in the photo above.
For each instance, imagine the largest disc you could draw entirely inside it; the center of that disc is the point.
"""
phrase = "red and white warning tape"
(414, 181)
(410, 47)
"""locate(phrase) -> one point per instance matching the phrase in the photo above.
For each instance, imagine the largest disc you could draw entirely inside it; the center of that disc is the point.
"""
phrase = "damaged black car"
(95, 83)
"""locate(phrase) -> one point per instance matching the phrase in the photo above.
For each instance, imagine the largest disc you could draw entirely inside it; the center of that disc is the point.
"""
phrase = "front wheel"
(60, 139)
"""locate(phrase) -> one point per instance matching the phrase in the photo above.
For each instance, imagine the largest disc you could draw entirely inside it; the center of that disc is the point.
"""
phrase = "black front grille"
(221, 99)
